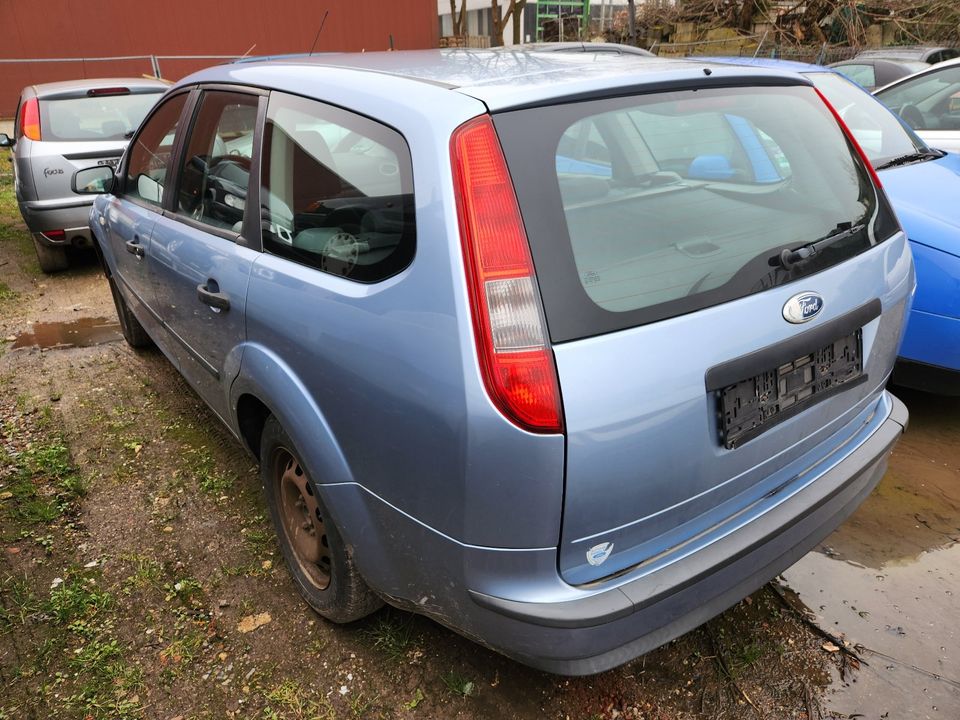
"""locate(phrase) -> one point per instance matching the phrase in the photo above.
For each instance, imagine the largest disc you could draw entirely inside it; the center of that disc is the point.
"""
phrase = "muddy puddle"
(889, 578)
(82, 332)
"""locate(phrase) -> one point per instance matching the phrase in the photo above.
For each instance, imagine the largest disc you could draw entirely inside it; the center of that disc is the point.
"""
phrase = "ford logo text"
(803, 307)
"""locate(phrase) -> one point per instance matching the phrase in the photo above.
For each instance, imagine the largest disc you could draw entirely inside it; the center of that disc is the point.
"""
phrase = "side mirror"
(93, 180)
(6, 140)
(149, 189)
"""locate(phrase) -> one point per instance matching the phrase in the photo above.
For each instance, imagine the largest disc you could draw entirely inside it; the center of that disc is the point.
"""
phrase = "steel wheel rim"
(300, 517)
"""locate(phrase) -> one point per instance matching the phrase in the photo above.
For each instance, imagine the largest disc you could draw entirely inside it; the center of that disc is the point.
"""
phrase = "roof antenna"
(322, 23)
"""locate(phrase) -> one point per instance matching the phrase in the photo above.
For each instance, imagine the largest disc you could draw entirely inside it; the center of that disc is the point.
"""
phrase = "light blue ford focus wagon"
(567, 352)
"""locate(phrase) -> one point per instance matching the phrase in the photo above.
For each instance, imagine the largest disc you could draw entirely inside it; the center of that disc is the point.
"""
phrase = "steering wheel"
(912, 116)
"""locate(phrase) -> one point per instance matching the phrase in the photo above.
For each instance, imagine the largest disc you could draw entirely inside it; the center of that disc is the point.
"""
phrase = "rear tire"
(51, 259)
(131, 328)
(315, 553)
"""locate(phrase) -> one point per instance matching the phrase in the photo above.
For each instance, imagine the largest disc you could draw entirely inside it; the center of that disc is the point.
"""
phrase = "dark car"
(871, 73)
(921, 53)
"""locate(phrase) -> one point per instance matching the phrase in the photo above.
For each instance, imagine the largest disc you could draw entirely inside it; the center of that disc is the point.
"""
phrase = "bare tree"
(632, 20)
(501, 16)
(459, 20)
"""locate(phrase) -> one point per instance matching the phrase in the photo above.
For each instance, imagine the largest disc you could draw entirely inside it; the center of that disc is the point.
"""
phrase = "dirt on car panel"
(80, 332)
(889, 578)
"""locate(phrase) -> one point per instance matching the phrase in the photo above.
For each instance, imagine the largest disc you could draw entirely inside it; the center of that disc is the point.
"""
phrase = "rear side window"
(104, 117)
(863, 75)
(337, 190)
(702, 192)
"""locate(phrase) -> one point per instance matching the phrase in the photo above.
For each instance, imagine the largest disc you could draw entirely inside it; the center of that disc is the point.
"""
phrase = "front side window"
(337, 190)
(927, 102)
(701, 194)
(215, 169)
(149, 155)
(95, 118)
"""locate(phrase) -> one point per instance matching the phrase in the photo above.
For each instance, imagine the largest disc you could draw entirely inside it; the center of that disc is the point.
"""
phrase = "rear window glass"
(105, 117)
(644, 208)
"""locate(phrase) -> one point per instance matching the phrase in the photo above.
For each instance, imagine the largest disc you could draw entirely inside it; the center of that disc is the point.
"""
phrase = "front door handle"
(135, 248)
(212, 296)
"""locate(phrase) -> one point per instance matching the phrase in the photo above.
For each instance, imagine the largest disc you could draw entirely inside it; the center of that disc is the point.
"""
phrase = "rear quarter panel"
(395, 403)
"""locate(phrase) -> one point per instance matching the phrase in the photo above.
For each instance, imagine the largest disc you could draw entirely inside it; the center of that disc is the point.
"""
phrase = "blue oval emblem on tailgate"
(803, 307)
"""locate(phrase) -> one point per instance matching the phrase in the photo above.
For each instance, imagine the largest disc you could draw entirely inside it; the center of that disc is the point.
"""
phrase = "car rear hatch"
(82, 128)
(707, 353)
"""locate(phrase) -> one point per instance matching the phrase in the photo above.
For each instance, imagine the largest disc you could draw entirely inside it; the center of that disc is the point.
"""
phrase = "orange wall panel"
(110, 28)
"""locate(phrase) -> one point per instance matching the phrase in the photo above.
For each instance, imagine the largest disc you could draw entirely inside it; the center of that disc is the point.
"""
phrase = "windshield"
(927, 102)
(881, 135)
(647, 207)
(103, 117)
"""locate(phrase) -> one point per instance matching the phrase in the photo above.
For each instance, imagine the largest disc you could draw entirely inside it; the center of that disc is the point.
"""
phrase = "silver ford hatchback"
(59, 128)
(568, 353)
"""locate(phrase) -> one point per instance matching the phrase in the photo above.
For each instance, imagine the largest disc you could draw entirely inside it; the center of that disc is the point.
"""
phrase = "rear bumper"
(69, 215)
(515, 602)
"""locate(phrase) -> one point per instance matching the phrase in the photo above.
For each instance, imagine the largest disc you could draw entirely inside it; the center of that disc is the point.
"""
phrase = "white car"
(929, 102)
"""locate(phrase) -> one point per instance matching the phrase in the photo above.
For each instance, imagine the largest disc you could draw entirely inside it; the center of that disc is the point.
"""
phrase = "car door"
(133, 211)
(199, 261)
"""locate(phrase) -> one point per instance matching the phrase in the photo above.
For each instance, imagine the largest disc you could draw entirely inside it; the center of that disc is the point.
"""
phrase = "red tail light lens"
(515, 358)
(30, 119)
(850, 136)
(55, 235)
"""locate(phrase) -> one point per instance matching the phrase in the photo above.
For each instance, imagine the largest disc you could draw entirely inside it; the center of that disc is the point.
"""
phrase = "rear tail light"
(849, 133)
(515, 358)
(30, 119)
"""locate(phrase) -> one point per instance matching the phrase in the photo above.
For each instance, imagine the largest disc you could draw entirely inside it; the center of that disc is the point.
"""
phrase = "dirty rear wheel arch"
(316, 555)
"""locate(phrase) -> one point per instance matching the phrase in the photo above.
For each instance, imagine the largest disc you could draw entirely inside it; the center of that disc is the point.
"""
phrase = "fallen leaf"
(6, 495)
(830, 647)
(252, 622)
(266, 564)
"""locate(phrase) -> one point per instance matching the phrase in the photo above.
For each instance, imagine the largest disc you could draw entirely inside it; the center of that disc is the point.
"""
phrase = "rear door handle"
(212, 296)
(135, 248)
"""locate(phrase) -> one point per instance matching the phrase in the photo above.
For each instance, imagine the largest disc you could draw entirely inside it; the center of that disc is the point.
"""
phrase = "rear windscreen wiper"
(913, 157)
(788, 258)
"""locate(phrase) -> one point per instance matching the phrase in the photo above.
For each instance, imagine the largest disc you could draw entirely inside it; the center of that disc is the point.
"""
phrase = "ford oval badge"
(803, 307)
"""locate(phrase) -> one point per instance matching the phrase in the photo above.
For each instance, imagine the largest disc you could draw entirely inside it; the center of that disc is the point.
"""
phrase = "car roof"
(501, 78)
(902, 51)
(70, 87)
